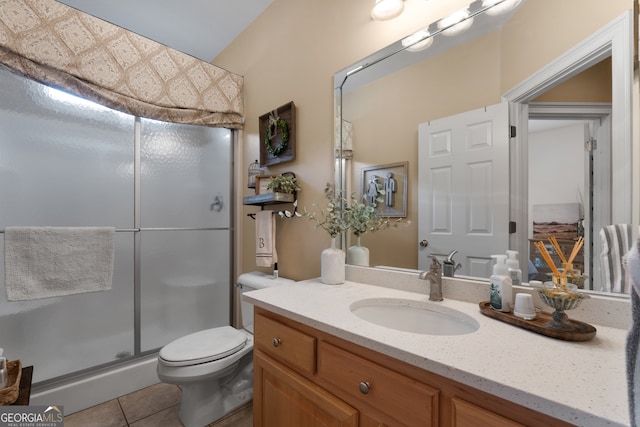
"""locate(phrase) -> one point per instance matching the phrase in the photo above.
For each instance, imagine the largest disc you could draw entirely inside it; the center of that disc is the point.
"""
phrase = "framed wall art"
(392, 179)
(278, 135)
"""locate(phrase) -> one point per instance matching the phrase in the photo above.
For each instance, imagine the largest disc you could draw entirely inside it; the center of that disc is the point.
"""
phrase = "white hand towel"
(45, 262)
(266, 254)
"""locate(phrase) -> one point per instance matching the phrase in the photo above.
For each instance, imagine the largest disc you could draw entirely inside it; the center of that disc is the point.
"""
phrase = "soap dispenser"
(500, 288)
(513, 267)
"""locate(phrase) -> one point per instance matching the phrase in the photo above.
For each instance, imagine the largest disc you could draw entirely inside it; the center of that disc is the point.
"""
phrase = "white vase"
(358, 255)
(332, 265)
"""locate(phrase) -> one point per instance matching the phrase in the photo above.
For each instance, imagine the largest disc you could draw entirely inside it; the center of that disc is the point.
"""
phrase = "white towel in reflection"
(45, 262)
(616, 242)
(266, 254)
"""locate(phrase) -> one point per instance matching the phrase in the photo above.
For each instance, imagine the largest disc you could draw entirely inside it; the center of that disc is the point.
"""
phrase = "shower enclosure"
(167, 190)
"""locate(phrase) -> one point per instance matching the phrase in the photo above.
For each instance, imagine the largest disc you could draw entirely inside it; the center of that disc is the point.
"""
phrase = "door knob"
(424, 243)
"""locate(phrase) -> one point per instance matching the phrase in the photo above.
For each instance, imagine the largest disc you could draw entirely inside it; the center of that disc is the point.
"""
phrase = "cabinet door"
(283, 398)
(465, 414)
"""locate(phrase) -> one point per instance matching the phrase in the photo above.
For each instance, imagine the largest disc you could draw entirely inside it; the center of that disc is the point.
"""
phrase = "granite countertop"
(583, 383)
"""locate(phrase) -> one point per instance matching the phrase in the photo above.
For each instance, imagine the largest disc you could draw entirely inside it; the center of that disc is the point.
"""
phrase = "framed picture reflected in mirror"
(385, 188)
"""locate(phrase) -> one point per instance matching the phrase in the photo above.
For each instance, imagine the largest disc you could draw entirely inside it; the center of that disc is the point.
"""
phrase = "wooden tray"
(10, 394)
(580, 331)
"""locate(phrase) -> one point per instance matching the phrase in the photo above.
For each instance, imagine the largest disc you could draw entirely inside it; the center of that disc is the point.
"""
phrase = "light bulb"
(456, 23)
(420, 40)
(387, 9)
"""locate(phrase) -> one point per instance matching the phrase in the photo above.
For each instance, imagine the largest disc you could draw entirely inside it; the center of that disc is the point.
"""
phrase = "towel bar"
(253, 216)
(117, 229)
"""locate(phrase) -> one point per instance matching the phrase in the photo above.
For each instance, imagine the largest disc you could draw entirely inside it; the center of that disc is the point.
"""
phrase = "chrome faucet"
(449, 265)
(434, 276)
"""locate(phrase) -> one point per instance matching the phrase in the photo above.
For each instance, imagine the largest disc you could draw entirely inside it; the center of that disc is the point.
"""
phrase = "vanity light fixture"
(385, 10)
(456, 23)
(498, 7)
(420, 40)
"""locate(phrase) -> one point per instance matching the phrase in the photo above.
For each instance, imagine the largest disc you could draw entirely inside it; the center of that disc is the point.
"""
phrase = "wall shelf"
(268, 199)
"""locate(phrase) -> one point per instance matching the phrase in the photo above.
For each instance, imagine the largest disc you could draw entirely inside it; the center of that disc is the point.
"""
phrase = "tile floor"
(155, 406)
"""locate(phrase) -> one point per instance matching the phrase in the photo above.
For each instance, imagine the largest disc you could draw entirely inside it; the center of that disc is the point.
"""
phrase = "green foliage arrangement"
(330, 218)
(362, 218)
(283, 184)
(341, 215)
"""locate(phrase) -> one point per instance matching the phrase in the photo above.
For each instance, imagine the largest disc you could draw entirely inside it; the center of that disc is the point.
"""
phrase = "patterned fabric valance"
(62, 47)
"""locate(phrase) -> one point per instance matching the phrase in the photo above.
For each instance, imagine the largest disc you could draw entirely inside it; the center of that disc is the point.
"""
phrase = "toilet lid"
(203, 346)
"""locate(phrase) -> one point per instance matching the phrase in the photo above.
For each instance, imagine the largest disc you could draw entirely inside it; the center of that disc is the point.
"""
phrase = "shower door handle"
(217, 203)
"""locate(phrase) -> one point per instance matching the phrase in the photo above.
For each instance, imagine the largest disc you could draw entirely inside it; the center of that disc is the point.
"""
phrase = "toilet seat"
(203, 346)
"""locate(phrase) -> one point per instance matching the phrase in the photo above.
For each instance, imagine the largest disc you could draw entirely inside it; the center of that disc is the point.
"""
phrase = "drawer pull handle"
(276, 342)
(364, 387)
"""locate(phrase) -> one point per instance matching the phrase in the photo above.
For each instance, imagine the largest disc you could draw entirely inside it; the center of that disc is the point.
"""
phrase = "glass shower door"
(66, 162)
(185, 237)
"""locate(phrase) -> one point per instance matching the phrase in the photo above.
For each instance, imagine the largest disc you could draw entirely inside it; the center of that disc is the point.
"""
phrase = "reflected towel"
(632, 265)
(45, 262)
(616, 242)
(266, 254)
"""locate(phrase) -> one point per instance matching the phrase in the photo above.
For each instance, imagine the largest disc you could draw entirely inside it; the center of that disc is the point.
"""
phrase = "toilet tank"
(252, 281)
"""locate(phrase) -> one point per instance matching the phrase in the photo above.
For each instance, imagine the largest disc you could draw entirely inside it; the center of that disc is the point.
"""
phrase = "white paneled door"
(464, 188)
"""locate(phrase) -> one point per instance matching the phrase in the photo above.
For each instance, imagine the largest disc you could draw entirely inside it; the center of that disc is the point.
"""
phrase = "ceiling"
(200, 28)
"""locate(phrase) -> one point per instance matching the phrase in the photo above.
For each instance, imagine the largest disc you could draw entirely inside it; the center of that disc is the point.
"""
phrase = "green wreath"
(284, 128)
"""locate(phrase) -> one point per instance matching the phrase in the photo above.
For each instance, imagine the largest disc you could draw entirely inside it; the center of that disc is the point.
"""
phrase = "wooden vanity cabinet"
(284, 398)
(305, 377)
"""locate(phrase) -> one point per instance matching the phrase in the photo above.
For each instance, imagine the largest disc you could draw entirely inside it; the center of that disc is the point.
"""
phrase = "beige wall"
(534, 37)
(592, 85)
(291, 52)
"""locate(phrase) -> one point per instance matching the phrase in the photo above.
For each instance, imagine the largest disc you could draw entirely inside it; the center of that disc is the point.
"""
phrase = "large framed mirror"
(560, 79)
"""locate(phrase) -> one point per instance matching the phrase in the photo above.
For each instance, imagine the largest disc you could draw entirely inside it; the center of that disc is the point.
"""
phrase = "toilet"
(214, 367)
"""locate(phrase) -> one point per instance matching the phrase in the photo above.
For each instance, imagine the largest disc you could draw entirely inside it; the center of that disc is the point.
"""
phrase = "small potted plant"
(331, 219)
(360, 218)
(340, 215)
(285, 183)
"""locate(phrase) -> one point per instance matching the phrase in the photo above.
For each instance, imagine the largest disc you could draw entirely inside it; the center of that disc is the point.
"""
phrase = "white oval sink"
(414, 316)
